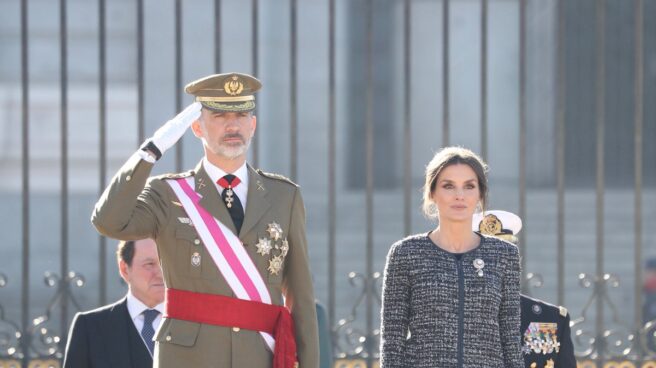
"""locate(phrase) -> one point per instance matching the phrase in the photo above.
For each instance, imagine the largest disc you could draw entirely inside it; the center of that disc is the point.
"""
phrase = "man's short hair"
(125, 251)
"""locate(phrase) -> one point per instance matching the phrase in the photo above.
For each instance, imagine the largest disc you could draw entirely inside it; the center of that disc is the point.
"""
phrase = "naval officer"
(546, 336)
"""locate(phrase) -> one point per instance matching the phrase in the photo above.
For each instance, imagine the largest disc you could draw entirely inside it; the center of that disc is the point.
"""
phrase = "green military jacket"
(135, 206)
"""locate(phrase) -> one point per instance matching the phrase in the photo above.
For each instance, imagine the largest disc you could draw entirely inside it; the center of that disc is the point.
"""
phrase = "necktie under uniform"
(147, 331)
(231, 200)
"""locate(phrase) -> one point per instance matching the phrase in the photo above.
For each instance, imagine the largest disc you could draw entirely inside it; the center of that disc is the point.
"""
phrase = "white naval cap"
(502, 224)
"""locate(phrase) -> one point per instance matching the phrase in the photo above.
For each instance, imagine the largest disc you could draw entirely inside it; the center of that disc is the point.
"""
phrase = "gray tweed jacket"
(439, 312)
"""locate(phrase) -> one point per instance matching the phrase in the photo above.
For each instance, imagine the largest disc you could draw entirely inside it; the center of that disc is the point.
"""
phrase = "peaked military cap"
(228, 92)
(501, 224)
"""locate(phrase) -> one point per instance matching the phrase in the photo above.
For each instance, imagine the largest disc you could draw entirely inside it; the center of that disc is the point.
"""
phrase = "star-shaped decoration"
(263, 246)
(275, 265)
(275, 231)
(284, 248)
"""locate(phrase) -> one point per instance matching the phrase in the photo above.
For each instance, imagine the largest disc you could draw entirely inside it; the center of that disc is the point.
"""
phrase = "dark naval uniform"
(546, 340)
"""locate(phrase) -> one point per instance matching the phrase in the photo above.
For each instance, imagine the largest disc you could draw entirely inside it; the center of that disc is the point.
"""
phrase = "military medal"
(263, 246)
(275, 265)
(228, 182)
(478, 265)
(229, 199)
(541, 338)
(550, 364)
(195, 259)
(275, 231)
(284, 248)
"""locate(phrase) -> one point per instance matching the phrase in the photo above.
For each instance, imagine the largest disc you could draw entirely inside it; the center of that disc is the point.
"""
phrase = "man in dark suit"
(121, 334)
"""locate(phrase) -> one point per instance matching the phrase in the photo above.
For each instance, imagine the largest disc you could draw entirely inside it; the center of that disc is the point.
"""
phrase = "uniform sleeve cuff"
(146, 157)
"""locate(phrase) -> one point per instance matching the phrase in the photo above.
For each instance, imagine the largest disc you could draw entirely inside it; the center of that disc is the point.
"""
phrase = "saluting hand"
(169, 133)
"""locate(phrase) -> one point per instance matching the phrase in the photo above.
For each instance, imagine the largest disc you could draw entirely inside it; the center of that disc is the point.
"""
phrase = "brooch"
(478, 265)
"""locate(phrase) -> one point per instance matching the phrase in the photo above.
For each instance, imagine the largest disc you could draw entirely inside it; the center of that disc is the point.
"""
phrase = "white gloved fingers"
(190, 112)
(169, 133)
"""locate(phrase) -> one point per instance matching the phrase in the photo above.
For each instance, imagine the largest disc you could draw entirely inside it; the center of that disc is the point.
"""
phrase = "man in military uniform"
(231, 239)
(546, 337)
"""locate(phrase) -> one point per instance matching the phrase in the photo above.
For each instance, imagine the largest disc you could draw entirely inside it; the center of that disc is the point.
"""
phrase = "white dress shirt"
(136, 308)
(215, 173)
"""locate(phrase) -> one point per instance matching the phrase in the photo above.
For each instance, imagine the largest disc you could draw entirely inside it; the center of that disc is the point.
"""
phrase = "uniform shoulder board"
(276, 177)
(185, 174)
(563, 311)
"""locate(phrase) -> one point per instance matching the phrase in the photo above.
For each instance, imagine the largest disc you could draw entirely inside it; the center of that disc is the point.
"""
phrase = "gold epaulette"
(276, 176)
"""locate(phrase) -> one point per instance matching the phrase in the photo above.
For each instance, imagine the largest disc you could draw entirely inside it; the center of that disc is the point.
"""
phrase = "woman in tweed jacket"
(451, 296)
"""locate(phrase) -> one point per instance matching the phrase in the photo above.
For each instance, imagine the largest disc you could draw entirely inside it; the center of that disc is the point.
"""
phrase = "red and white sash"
(225, 248)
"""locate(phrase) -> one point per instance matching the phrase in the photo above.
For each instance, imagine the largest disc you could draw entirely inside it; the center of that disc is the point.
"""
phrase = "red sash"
(221, 310)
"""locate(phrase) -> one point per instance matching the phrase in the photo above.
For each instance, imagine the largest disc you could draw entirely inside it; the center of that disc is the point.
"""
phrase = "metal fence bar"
(140, 72)
(63, 83)
(25, 190)
(522, 132)
(560, 149)
(484, 79)
(407, 136)
(217, 36)
(445, 72)
(637, 139)
(600, 87)
(178, 78)
(369, 147)
(293, 91)
(256, 62)
(102, 142)
(332, 177)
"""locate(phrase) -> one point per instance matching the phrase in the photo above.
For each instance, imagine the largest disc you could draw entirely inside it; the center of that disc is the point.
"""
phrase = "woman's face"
(456, 193)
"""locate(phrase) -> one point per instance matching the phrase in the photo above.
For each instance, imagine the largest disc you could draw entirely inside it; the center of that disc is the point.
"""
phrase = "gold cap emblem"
(233, 86)
(490, 225)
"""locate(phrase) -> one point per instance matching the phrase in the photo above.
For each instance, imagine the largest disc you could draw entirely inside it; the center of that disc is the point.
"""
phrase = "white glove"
(169, 133)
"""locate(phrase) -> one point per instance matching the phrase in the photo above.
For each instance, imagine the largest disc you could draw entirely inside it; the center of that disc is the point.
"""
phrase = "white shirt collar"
(136, 306)
(215, 173)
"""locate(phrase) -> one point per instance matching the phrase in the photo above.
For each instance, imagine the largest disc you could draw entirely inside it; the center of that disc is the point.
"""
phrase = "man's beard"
(229, 151)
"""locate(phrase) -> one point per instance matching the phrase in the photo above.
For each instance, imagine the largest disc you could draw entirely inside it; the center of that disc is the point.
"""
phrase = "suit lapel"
(139, 354)
(116, 332)
(211, 200)
(257, 203)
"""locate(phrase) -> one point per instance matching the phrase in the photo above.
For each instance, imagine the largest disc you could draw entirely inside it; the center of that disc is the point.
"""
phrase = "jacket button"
(235, 329)
(128, 178)
(197, 241)
(168, 338)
